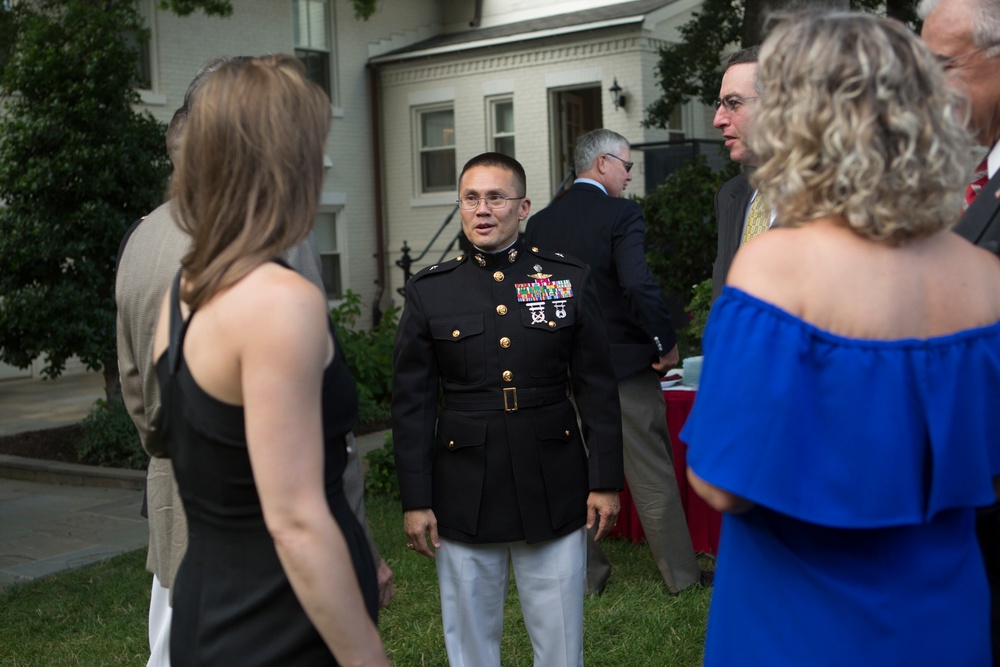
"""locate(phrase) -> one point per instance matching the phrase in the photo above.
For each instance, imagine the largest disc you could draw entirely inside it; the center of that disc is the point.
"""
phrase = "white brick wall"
(183, 44)
(529, 70)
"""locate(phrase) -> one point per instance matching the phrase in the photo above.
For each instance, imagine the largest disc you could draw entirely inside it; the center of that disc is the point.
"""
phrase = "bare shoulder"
(273, 298)
(791, 267)
(971, 269)
(765, 265)
(980, 258)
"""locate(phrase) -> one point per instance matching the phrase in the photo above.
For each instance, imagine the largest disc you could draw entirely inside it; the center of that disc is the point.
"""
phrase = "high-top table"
(704, 523)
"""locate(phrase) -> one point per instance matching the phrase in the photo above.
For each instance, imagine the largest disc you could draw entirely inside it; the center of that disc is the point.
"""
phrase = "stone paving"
(58, 516)
(47, 528)
(33, 405)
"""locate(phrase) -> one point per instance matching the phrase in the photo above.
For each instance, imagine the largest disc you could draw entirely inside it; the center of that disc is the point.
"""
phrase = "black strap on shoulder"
(178, 326)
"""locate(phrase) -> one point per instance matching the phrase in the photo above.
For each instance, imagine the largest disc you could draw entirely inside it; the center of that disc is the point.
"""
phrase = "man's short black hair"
(502, 161)
(747, 55)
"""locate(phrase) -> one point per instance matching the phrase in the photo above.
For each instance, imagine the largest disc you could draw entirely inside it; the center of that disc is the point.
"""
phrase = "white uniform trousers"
(550, 577)
(160, 615)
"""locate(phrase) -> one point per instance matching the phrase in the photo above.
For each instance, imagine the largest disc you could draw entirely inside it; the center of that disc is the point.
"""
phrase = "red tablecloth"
(704, 523)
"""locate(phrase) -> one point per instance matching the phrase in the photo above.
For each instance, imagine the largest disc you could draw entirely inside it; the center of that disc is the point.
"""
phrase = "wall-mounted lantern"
(617, 95)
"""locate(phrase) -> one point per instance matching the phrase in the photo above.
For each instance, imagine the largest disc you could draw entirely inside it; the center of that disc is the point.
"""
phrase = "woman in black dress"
(256, 396)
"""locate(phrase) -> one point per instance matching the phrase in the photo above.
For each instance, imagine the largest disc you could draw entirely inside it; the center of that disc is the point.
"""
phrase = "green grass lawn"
(97, 615)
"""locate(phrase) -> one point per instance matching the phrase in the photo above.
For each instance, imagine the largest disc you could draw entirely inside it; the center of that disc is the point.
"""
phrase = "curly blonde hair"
(855, 121)
(251, 170)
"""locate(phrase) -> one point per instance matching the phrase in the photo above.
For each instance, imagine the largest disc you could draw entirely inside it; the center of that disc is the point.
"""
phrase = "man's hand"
(603, 505)
(667, 361)
(384, 578)
(417, 524)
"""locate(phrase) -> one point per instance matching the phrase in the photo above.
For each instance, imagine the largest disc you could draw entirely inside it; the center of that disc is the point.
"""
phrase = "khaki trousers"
(649, 469)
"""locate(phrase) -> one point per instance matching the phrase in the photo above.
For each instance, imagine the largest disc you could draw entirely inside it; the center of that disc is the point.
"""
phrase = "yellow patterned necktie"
(759, 219)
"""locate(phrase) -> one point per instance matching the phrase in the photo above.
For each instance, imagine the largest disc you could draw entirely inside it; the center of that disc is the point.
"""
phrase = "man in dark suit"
(733, 201)
(491, 463)
(594, 223)
(965, 36)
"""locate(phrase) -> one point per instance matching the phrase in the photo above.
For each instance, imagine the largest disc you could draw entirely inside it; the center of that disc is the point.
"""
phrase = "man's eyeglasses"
(955, 62)
(732, 103)
(628, 165)
(468, 202)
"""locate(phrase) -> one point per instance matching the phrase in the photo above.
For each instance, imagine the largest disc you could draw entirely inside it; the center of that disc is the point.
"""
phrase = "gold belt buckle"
(510, 399)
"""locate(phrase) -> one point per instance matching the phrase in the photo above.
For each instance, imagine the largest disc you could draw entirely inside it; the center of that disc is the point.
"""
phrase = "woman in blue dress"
(845, 420)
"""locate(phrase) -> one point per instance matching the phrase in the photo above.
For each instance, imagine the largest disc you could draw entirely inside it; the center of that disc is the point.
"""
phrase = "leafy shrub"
(372, 415)
(369, 357)
(109, 438)
(381, 478)
(681, 230)
(698, 308)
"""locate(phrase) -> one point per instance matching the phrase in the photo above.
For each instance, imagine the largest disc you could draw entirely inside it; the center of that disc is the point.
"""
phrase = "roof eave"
(507, 39)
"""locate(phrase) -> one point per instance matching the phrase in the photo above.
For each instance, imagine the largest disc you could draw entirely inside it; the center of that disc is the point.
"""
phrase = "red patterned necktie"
(977, 184)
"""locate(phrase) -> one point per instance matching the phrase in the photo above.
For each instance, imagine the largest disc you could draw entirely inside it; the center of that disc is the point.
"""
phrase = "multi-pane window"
(437, 150)
(312, 43)
(139, 41)
(676, 124)
(327, 242)
(501, 115)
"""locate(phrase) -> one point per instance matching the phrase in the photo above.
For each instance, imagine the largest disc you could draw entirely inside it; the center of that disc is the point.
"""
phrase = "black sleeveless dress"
(233, 604)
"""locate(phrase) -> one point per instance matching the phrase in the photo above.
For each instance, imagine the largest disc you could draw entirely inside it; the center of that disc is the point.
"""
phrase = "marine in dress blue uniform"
(490, 458)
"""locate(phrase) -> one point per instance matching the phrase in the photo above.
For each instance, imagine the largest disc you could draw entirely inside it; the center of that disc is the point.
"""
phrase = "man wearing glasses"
(965, 36)
(491, 463)
(739, 212)
(594, 223)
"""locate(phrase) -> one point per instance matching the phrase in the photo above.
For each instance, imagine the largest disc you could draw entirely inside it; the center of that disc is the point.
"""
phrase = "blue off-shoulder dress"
(865, 460)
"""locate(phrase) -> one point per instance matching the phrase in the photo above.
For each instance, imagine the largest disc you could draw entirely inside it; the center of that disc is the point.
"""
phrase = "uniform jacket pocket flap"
(553, 427)
(457, 432)
(456, 327)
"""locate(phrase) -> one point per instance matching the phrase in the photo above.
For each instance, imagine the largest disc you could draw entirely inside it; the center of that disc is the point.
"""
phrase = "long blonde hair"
(251, 170)
(855, 120)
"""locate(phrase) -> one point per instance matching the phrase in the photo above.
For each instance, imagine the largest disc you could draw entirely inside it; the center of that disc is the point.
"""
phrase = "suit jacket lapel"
(741, 193)
(982, 213)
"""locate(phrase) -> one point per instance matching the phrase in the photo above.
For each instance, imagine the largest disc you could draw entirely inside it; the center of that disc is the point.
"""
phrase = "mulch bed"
(53, 444)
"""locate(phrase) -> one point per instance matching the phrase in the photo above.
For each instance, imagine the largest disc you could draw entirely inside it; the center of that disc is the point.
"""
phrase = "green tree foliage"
(369, 357)
(698, 309)
(187, 7)
(77, 165)
(8, 31)
(381, 479)
(692, 68)
(681, 231)
(363, 9)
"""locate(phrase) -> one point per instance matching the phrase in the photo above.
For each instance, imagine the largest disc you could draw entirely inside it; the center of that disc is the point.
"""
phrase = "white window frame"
(147, 10)
(317, 40)
(332, 205)
(675, 123)
(492, 124)
(420, 150)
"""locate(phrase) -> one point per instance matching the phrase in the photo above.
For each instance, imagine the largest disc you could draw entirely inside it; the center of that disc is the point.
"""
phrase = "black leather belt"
(509, 400)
